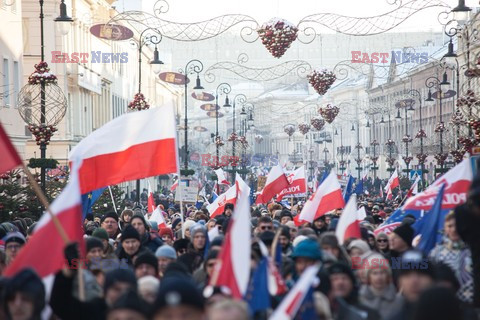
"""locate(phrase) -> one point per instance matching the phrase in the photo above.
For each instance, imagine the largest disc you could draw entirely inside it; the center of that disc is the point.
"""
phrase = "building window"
(6, 82)
(16, 81)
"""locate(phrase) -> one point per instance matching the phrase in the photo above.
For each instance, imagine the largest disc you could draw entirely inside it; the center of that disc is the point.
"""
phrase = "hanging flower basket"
(441, 157)
(219, 141)
(243, 141)
(289, 129)
(258, 138)
(42, 133)
(475, 125)
(277, 35)
(139, 103)
(374, 159)
(322, 80)
(374, 143)
(390, 161)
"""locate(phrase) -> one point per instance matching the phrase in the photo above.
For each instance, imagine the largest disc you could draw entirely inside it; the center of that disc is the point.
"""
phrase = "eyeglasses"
(382, 240)
(266, 228)
(13, 246)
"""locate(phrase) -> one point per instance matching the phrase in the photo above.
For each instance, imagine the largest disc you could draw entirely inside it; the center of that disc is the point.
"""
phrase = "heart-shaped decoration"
(317, 123)
(329, 113)
(304, 128)
(277, 35)
(321, 81)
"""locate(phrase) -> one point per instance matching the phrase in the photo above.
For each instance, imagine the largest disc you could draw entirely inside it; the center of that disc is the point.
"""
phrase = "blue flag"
(359, 188)
(88, 199)
(307, 309)
(325, 175)
(430, 228)
(258, 297)
(347, 192)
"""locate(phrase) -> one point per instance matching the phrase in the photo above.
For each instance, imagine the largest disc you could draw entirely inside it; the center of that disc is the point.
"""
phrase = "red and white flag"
(158, 217)
(151, 200)
(276, 182)
(297, 183)
(349, 223)
(132, 146)
(10, 157)
(221, 177)
(232, 269)
(292, 302)
(392, 183)
(414, 188)
(67, 207)
(174, 186)
(328, 197)
(218, 206)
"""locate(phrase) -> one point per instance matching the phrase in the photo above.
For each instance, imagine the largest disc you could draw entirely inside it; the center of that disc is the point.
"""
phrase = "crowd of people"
(135, 269)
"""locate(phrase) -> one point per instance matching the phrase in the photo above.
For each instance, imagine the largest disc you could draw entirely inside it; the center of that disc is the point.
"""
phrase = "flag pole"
(57, 224)
(44, 202)
(113, 200)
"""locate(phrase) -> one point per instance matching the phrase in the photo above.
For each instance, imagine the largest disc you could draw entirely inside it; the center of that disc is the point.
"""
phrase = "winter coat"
(468, 225)
(386, 303)
(151, 242)
(458, 257)
(66, 306)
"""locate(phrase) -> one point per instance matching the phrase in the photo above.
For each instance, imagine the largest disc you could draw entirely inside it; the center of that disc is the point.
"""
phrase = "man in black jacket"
(66, 306)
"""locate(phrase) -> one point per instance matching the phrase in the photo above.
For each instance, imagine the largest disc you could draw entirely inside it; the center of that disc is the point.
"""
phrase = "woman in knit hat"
(166, 234)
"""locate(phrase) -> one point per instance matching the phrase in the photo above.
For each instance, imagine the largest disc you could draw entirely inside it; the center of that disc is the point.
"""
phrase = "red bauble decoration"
(321, 81)
(139, 103)
(277, 35)
(42, 74)
(329, 113)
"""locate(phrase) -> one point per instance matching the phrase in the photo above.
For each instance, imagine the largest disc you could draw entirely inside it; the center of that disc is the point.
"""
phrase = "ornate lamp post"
(407, 105)
(421, 157)
(374, 145)
(222, 89)
(42, 86)
(139, 102)
(192, 66)
(440, 127)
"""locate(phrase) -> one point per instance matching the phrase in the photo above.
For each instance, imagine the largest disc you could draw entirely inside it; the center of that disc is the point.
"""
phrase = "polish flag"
(349, 223)
(67, 207)
(276, 182)
(158, 217)
(292, 302)
(151, 200)
(217, 207)
(328, 197)
(221, 177)
(392, 183)
(414, 188)
(232, 269)
(132, 146)
(297, 183)
(10, 157)
(174, 186)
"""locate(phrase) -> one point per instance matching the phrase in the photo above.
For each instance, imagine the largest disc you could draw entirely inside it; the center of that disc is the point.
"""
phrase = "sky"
(294, 11)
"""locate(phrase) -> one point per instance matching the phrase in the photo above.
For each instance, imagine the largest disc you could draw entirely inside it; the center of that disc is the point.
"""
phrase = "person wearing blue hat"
(306, 254)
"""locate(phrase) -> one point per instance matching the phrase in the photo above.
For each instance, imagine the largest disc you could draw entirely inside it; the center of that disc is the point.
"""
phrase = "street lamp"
(420, 135)
(461, 12)
(63, 21)
(139, 103)
(240, 99)
(192, 66)
(222, 89)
